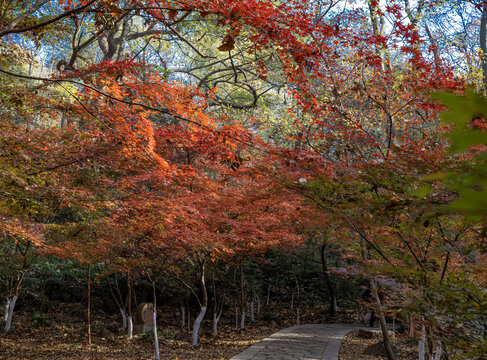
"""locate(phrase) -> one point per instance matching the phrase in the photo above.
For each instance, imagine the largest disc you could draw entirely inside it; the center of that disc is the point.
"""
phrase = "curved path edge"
(310, 342)
(333, 348)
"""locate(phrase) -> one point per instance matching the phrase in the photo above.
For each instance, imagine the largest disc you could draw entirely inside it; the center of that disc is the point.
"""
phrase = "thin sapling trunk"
(257, 298)
(242, 320)
(203, 304)
(154, 326)
(242, 298)
(183, 316)
(129, 308)
(89, 304)
(236, 317)
(217, 304)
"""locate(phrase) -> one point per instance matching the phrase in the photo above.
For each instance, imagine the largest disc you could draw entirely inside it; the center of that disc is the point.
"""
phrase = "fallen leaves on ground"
(353, 346)
(63, 334)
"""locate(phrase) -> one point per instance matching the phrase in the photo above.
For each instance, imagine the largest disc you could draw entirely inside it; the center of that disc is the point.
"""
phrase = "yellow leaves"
(20, 231)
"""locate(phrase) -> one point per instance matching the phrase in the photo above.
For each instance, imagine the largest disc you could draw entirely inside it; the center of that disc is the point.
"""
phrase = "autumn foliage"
(148, 165)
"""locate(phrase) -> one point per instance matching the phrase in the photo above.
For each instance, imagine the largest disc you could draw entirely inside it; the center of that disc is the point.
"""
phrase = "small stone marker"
(145, 314)
(144, 318)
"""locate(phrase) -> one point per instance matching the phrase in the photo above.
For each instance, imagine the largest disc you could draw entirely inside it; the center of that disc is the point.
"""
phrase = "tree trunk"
(421, 343)
(216, 319)
(268, 295)
(252, 305)
(196, 325)
(89, 304)
(434, 47)
(130, 327)
(483, 43)
(258, 302)
(217, 303)
(438, 351)
(183, 316)
(242, 298)
(236, 318)
(377, 22)
(129, 307)
(382, 320)
(203, 304)
(10, 313)
(7, 306)
(124, 318)
(12, 300)
(298, 300)
(156, 339)
(329, 284)
(242, 320)
(119, 301)
(154, 326)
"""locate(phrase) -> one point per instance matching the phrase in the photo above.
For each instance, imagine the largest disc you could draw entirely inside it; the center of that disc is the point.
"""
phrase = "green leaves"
(468, 114)
(462, 112)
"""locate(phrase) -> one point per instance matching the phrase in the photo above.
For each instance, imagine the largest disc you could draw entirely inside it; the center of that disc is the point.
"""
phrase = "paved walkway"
(305, 342)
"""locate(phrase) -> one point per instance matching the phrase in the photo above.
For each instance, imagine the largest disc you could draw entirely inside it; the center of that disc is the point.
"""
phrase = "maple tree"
(135, 143)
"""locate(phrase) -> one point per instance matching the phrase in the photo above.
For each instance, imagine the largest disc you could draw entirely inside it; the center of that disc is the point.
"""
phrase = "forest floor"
(353, 346)
(63, 335)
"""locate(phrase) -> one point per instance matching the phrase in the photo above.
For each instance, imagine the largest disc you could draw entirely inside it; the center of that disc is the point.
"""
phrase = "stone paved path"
(305, 342)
